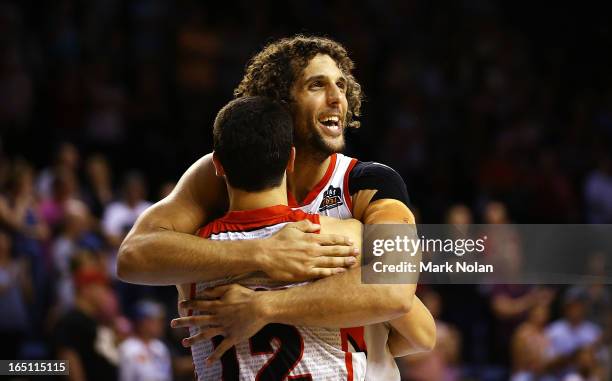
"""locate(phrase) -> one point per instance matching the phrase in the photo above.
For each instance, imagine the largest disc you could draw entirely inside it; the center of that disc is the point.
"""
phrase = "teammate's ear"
(291, 160)
(219, 171)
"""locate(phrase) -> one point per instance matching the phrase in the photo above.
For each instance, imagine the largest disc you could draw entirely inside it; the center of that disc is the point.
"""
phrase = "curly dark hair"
(272, 72)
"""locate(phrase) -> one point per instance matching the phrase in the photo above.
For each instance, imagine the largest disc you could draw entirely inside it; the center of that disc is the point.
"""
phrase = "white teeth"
(330, 118)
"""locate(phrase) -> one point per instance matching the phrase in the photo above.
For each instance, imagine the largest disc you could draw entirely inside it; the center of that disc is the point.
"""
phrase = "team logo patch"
(332, 198)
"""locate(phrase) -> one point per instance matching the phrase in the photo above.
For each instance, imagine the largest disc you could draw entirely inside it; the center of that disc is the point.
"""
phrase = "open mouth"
(331, 125)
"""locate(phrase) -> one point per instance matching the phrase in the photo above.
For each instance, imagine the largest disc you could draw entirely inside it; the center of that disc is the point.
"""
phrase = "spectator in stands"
(572, 337)
(80, 337)
(65, 247)
(64, 190)
(119, 216)
(99, 187)
(598, 192)
(19, 211)
(143, 356)
(66, 158)
(530, 345)
(597, 293)
(30, 235)
(15, 287)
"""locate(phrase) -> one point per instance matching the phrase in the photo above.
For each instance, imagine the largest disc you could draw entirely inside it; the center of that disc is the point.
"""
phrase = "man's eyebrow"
(322, 77)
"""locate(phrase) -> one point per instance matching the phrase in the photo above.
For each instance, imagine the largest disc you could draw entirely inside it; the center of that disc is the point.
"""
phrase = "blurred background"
(493, 112)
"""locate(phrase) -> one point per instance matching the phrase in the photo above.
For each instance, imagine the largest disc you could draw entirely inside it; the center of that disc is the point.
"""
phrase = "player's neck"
(308, 171)
(242, 200)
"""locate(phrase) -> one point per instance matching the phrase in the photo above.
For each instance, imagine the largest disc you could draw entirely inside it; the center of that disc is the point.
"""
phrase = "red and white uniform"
(278, 351)
(282, 352)
(330, 197)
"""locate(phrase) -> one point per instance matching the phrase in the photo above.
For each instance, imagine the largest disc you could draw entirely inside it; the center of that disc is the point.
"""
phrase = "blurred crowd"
(493, 112)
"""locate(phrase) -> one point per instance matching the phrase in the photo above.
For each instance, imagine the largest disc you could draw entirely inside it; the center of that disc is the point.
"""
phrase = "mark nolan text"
(410, 267)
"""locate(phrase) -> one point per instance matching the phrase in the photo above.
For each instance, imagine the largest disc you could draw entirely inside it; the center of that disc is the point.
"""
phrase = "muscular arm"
(338, 301)
(161, 248)
(378, 196)
(414, 331)
(334, 302)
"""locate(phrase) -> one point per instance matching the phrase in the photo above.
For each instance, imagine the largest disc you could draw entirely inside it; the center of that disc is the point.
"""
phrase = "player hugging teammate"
(297, 332)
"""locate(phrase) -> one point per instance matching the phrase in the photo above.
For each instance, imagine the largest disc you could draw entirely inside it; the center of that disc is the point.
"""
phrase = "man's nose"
(333, 94)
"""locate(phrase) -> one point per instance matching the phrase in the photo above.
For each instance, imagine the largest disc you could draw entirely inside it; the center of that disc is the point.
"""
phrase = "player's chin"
(334, 145)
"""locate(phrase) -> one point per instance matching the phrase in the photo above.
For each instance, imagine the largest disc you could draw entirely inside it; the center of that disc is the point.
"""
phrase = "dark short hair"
(273, 71)
(252, 137)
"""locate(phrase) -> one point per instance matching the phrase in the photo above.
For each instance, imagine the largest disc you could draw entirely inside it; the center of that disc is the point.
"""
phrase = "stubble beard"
(315, 145)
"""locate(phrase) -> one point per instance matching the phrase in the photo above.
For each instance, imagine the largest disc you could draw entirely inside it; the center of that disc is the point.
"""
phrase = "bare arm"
(161, 248)
(339, 301)
(333, 302)
(413, 332)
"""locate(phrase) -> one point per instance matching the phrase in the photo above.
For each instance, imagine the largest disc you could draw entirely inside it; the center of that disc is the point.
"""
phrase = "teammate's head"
(253, 143)
(313, 76)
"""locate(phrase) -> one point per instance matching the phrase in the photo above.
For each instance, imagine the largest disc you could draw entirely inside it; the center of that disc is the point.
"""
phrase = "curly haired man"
(312, 77)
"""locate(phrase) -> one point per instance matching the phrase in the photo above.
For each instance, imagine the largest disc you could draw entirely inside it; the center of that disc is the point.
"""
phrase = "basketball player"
(256, 133)
(313, 77)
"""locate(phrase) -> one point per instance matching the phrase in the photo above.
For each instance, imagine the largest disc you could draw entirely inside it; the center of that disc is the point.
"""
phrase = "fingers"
(331, 262)
(199, 305)
(338, 251)
(333, 239)
(217, 292)
(219, 351)
(305, 226)
(323, 273)
(203, 335)
(191, 321)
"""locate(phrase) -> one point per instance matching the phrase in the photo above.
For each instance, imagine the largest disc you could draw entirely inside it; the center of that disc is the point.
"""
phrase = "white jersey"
(278, 351)
(331, 197)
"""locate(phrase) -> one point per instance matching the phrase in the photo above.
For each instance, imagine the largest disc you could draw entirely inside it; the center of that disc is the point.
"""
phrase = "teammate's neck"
(309, 169)
(242, 200)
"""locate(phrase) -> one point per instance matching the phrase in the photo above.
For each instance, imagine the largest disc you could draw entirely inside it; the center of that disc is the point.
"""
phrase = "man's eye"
(341, 85)
(316, 84)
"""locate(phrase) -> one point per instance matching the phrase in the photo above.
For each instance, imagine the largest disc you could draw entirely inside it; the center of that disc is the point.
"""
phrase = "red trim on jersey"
(314, 192)
(348, 360)
(347, 196)
(244, 220)
(357, 333)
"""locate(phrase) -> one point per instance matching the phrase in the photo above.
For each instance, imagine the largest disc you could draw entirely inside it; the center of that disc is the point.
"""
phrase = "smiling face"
(319, 107)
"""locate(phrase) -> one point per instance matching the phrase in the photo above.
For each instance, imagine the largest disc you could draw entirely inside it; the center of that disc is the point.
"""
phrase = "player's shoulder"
(199, 189)
(371, 175)
(372, 168)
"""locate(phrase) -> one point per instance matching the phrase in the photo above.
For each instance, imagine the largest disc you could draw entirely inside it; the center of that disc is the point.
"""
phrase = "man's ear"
(219, 171)
(291, 161)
